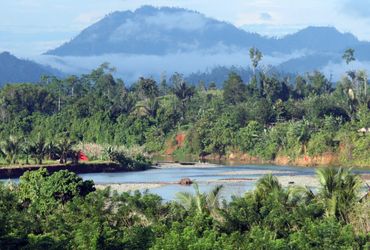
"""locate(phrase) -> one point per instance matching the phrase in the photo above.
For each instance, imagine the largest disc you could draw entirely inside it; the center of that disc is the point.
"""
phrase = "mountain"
(151, 40)
(14, 70)
(160, 31)
(156, 31)
(316, 39)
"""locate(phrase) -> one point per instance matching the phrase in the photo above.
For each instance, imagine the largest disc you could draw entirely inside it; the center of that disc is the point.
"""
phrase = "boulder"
(185, 181)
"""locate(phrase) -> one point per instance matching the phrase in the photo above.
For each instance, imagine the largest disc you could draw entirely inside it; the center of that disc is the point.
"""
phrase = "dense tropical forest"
(269, 118)
(61, 211)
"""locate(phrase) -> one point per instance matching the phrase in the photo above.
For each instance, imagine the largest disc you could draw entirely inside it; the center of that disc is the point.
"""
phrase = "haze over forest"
(153, 41)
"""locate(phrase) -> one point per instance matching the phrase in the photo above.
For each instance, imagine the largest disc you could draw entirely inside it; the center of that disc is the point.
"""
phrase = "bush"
(138, 162)
(320, 143)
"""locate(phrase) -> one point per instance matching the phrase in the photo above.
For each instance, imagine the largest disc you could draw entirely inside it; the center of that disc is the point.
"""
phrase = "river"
(235, 179)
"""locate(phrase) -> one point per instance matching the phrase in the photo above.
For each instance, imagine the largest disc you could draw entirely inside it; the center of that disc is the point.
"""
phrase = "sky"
(31, 27)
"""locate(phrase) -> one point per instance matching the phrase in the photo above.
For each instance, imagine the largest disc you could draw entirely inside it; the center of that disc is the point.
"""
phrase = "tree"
(202, 203)
(11, 148)
(147, 88)
(64, 149)
(250, 135)
(255, 56)
(38, 149)
(318, 83)
(349, 55)
(266, 185)
(41, 189)
(339, 189)
(182, 91)
(234, 89)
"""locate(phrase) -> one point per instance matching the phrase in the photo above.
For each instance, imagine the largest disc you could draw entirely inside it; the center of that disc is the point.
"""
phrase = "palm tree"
(202, 203)
(38, 149)
(11, 148)
(266, 185)
(26, 150)
(339, 189)
(182, 91)
(148, 107)
(65, 149)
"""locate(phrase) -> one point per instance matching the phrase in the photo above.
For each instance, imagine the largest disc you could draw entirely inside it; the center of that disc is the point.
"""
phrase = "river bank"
(9, 172)
(328, 159)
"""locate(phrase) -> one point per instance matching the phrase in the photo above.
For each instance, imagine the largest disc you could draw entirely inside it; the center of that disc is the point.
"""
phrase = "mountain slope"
(161, 31)
(151, 40)
(156, 31)
(14, 70)
(317, 39)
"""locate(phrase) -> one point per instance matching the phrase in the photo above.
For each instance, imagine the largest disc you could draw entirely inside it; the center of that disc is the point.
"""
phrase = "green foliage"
(250, 135)
(326, 234)
(304, 116)
(137, 162)
(11, 149)
(234, 89)
(60, 211)
(62, 186)
(320, 143)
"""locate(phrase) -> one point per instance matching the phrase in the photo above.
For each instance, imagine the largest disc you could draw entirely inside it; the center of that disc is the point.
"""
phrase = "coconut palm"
(64, 149)
(148, 107)
(26, 152)
(201, 202)
(339, 189)
(266, 185)
(38, 149)
(300, 194)
(183, 91)
(11, 149)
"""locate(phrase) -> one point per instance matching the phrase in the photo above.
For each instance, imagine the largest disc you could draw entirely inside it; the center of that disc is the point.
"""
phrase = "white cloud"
(130, 67)
(272, 30)
(337, 70)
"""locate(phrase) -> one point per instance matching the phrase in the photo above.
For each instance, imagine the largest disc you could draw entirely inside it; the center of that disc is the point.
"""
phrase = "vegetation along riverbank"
(61, 211)
(301, 120)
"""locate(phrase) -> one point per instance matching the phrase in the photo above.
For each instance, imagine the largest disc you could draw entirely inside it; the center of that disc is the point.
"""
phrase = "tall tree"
(11, 148)
(349, 55)
(182, 91)
(234, 89)
(255, 56)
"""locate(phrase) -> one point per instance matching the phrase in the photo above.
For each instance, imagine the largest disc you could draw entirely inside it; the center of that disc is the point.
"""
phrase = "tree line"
(269, 116)
(61, 211)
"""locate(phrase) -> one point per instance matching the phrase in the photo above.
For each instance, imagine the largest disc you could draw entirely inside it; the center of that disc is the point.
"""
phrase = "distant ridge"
(159, 31)
(15, 70)
(156, 31)
(152, 33)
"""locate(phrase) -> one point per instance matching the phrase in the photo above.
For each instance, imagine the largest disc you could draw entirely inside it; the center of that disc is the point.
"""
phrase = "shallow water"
(205, 176)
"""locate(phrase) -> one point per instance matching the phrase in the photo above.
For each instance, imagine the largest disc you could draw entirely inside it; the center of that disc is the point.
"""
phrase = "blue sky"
(30, 27)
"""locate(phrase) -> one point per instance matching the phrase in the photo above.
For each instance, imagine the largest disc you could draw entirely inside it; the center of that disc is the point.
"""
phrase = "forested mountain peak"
(183, 38)
(150, 30)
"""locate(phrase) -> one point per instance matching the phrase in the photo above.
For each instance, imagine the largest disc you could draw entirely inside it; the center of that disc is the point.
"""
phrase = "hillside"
(151, 40)
(13, 69)
(156, 31)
